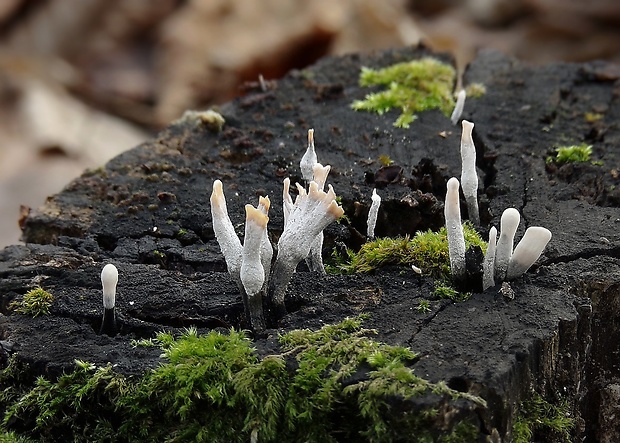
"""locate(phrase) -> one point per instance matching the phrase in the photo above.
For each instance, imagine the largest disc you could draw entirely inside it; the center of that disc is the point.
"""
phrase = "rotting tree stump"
(147, 211)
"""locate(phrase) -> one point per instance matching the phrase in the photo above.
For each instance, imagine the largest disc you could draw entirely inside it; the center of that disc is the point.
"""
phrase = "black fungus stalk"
(109, 279)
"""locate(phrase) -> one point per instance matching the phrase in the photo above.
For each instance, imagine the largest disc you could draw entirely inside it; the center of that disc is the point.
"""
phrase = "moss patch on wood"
(412, 87)
(333, 384)
(34, 303)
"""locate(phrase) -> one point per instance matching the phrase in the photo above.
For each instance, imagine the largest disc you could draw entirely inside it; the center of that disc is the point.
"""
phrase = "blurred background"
(83, 80)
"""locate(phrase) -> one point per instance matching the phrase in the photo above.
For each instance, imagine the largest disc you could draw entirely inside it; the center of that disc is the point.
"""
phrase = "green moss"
(413, 87)
(385, 160)
(475, 90)
(427, 250)
(464, 432)
(11, 437)
(34, 303)
(537, 417)
(424, 307)
(572, 154)
(335, 383)
(444, 290)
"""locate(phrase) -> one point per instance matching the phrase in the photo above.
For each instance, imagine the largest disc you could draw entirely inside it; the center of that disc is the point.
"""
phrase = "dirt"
(147, 212)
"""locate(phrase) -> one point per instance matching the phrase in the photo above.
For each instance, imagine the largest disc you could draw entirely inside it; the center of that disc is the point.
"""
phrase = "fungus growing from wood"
(372, 214)
(109, 280)
(527, 251)
(302, 238)
(312, 212)
(454, 228)
(508, 228)
(488, 266)
(469, 176)
(309, 159)
(252, 271)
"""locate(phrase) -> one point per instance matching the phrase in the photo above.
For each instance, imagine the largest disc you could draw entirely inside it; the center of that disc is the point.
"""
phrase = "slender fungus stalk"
(469, 177)
(508, 227)
(225, 232)
(252, 272)
(109, 279)
(527, 251)
(488, 278)
(309, 159)
(458, 108)
(456, 239)
(372, 214)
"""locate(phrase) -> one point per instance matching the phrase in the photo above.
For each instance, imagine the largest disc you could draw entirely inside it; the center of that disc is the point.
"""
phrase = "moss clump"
(333, 384)
(572, 154)
(475, 90)
(538, 417)
(427, 250)
(413, 87)
(34, 303)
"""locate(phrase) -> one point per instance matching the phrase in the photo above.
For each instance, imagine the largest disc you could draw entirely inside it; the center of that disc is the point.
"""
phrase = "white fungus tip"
(453, 184)
(528, 251)
(109, 279)
(375, 197)
(510, 220)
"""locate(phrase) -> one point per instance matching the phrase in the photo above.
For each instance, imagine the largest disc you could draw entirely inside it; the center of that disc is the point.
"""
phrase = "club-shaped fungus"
(508, 227)
(527, 251)
(252, 271)
(469, 177)
(309, 159)
(454, 228)
(372, 214)
(224, 231)
(109, 279)
(458, 108)
(488, 266)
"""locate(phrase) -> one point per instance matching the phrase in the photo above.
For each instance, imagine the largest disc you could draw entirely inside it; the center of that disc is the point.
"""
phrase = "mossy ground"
(537, 417)
(333, 384)
(413, 87)
(572, 154)
(34, 303)
(427, 250)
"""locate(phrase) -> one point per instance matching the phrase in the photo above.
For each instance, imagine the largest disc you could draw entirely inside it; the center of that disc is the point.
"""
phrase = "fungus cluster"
(501, 263)
(262, 285)
(262, 281)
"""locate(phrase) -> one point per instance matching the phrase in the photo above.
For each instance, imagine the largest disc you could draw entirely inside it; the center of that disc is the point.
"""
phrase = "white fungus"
(252, 272)
(224, 231)
(312, 212)
(372, 214)
(454, 228)
(458, 107)
(527, 251)
(508, 227)
(488, 266)
(109, 279)
(469, 176)
(309, 159)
